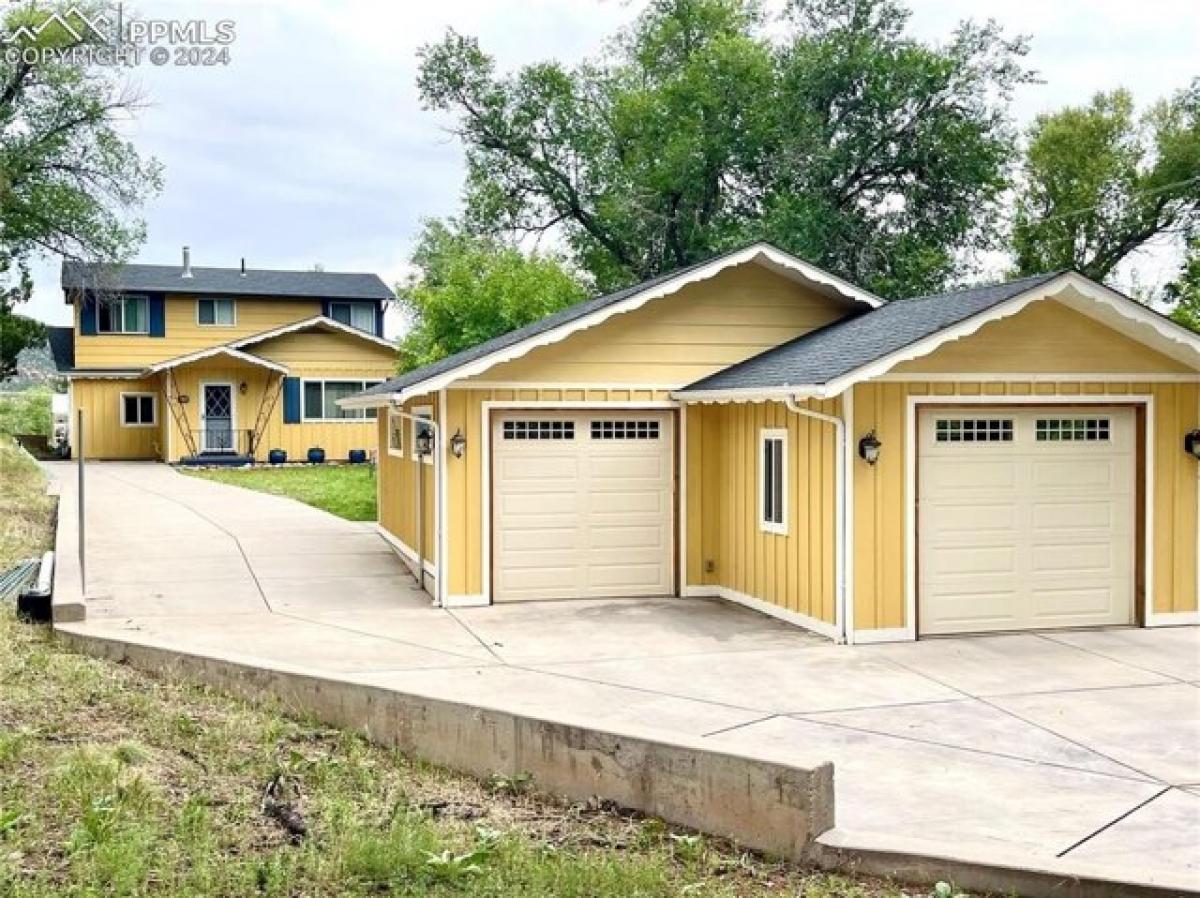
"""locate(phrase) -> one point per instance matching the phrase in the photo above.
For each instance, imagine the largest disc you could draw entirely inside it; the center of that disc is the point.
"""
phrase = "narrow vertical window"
(772, 479)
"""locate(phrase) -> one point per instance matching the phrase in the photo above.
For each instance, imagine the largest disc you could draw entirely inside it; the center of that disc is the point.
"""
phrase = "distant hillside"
(34, 368)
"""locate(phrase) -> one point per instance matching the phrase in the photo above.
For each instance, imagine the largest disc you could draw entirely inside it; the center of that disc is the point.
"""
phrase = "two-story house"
(184, 364)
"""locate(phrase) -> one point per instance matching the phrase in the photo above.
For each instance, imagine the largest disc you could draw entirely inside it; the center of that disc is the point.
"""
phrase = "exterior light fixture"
(1191, 443)
(458, 443)
(243, 388)
(868, 448)
(183, 398)
(424, 441)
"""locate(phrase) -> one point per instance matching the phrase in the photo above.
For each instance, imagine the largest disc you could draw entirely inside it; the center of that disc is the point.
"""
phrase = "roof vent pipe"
(243, 266)
(187, 262)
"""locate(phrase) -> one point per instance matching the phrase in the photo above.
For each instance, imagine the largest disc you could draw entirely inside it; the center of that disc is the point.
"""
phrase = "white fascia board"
(215, 351)
(1173, 335)
(751, 394)
(775, 257)
(315, 321)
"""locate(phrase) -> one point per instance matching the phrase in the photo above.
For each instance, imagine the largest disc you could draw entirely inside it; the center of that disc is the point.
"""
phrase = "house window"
(395, 434)
(1062, 430)
(421, 413)
(974, 430)
(624, 430)
(772, 481)
(321, 398)
(139, 410)
(538, 430)
(216, 312)
(123, 315)
(356, 314)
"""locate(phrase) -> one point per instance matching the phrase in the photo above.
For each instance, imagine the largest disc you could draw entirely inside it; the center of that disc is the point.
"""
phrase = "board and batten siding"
(397, 477)
(679, 338)
(103, 435)
(183, 334)
(726, 547)
(881, 493)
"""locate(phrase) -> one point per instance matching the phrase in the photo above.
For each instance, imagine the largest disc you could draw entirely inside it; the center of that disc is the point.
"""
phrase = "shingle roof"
(823, 355)
(225, 281)
(62, 347)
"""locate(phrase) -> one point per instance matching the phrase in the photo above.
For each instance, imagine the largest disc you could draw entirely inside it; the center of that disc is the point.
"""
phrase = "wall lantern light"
(424, 441)
(243, 388)
(868, 448)
(183, 399)
(1191, 443)
(458, 443)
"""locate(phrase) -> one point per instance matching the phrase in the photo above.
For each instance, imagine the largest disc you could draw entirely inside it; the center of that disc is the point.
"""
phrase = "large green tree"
(1184, 292)
(1100, 181)
(845, 140)
(467, 289)
(70, 183)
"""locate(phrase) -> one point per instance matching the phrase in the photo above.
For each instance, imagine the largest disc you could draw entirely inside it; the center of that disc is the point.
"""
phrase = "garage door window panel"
(974, 430)
(538, 430)
(1073, 430)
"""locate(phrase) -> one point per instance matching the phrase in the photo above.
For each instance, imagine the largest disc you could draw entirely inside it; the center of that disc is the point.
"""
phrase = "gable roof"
(317, 322)
(825, 361)
(223, 281)
(594, 311)
(62, 347)
(211, 352)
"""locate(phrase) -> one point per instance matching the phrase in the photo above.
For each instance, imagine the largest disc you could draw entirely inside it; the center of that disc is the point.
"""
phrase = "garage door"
(582, 505)
(1026, 518)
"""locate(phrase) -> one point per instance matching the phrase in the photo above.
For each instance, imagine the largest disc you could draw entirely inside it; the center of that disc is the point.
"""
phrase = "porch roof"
(213, 352)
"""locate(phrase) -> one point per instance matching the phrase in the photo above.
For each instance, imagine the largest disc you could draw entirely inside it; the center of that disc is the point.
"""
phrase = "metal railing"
(224, 441)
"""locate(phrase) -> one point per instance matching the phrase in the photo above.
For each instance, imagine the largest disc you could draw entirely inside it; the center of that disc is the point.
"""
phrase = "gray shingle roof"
(62, 347)
(828, 353)
(224, 281)
(559, 318)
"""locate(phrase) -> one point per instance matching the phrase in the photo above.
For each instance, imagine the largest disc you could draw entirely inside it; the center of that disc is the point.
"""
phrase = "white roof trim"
(315, 321)
(1172, 337)
(749, 394)
(215, 351)
(775, 258)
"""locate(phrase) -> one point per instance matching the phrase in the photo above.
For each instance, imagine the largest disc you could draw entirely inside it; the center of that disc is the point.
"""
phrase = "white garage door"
(582, 504)
(1026, 518)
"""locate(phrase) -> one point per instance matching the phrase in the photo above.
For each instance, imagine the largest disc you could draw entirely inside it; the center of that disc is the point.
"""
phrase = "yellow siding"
(1045, 337)
(398, 486)
(795, 571)
(183, 334)
(319, 353)
(680, 338)
(104, 437)
(880, 492)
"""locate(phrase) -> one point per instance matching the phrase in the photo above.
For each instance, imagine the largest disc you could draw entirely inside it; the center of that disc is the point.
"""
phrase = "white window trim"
(365, 384)
(232, 302)
(393, 414)
(764, 435)
(122, 298)
(420, 411)
(153, 422)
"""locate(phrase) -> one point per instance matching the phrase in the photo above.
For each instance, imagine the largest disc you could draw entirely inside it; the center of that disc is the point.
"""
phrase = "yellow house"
(220, 365)
(753, 428)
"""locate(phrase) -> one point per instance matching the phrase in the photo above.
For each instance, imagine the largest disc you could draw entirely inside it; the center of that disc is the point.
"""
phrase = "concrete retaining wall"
(766, 806)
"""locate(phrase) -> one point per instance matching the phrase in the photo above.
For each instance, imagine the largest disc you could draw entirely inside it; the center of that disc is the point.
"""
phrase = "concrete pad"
(1154, 729)
(973, 725)
(546, 632)
(568, 701)
(374, 594)
(417, 626)
(814, 679)
(205, 597)
(1008, 665)
(946, 794)
(203, 566)
(327, 566)
(1171, 651)
(309, 544)
(1166, 830)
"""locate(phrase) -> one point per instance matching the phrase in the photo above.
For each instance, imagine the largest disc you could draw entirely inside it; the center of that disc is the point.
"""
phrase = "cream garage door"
(1026, 518)
(582, 504)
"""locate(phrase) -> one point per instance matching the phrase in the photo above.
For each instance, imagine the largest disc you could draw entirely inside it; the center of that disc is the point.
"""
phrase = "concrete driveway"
(1074, 745)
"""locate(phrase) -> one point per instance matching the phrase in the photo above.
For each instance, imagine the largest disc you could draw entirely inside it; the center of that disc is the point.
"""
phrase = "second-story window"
(123, 315)
(216, 312)
(356, 314)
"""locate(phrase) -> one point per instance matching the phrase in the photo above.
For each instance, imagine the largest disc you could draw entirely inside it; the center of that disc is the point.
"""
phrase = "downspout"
(435, 426)
(839, 562)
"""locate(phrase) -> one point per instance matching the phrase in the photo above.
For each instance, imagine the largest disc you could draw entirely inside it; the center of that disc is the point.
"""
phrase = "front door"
(216, 418)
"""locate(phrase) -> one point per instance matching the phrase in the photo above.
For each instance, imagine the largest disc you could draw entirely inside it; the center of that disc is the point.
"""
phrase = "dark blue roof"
(223, 281)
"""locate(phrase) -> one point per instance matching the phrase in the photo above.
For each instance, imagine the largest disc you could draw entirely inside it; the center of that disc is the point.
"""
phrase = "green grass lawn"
(344, 490)
(26, 511)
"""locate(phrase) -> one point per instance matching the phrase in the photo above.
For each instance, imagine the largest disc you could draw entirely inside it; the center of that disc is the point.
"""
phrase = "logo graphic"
(73, 21)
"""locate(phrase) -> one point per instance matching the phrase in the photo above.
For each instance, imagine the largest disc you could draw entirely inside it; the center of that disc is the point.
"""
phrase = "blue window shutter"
(158, 316)
(379, 320)
(325, 310)
(87, 316)
(291, 400)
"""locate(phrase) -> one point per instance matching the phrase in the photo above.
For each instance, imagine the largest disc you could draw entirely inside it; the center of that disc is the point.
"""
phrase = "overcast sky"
(311, 146)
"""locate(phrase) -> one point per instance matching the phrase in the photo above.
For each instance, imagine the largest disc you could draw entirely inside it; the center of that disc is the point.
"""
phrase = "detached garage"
(1009, 457)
